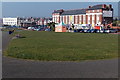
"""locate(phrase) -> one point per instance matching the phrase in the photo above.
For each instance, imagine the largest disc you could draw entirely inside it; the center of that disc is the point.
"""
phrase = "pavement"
(0, 54)
(19, 68)
(5, 40)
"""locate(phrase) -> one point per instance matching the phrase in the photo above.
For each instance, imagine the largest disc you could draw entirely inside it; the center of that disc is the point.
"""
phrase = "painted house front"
(94, 15)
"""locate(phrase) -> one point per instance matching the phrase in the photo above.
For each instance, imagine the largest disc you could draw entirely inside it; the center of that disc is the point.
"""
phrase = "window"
(92, 21)
(88, 21)
(97, 17)
(93, 17)
(97, 21)
(76, 18)
(88, 17)
(97, 10)
(84, 18)
(80, 17)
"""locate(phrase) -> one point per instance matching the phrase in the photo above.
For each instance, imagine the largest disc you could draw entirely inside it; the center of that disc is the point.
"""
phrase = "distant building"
(97, 14)
(10, 21)
(20, 20)
(30, 21)
(26, 24)
(43, 21)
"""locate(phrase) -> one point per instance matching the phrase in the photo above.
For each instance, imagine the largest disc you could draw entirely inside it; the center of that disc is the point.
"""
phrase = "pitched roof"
(96, 7)
(58, 11)
(27, 22)
(79, 11)
(74, 12)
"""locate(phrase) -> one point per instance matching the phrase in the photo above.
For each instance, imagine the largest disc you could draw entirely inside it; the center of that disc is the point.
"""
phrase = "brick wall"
(100, 17)
(86, 19)
(90, 19)
(81, 19)
(95, 19)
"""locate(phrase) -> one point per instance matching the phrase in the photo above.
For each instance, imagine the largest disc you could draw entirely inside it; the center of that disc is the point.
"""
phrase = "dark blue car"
(94, 30)
(89, 31)
(80, 30)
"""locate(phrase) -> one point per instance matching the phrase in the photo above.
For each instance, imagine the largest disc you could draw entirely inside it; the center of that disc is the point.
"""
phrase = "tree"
(116, 19)
(73, 26)
(52, 25)
(114, 23)
(108, 27)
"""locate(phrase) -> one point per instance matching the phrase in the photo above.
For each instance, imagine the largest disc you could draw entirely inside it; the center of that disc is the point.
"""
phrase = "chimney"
(89, 6)
(61, 10)
(104, 6)
(110, 6)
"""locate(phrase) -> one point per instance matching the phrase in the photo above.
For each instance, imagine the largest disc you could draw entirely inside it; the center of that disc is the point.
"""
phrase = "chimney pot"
(104, 6)
(89, 6)
(110, 6)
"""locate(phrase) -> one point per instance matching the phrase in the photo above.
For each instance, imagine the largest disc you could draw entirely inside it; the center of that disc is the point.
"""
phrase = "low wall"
(115, 27)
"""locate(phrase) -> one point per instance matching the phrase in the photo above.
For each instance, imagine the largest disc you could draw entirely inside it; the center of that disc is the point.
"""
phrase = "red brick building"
(97, 14)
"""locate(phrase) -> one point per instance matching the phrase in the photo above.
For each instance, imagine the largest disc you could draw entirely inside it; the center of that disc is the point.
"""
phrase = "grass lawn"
(51, 46)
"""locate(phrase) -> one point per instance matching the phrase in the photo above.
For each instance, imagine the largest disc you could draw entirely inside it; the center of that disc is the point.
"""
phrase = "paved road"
(17, 68)
(14, 68)
(5, 39)
(0, 54)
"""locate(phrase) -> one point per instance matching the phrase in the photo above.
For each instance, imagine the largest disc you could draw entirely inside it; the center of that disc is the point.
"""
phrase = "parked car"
(47, 29)
(102, 31)
(30, 28)
(98, 31)
(106, 30)
(93, 30)
(37, 29)
(85, 30)
(89, 31)
(75, 30)
(80, 30)
(113, 30)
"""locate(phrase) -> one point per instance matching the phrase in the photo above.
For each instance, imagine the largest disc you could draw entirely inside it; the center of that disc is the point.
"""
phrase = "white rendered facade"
(10, 21)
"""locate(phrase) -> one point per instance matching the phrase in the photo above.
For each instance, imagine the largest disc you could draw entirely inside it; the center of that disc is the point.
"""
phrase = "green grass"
(51, 46)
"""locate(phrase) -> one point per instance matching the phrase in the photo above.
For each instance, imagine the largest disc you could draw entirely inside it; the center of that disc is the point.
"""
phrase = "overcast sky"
(45, 9)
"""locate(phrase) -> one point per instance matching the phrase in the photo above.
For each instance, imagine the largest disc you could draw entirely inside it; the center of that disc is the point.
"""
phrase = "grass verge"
(51, 46)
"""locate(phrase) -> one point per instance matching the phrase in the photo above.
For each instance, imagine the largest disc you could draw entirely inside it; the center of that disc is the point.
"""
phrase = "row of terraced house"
(94, 15)
(26, 22)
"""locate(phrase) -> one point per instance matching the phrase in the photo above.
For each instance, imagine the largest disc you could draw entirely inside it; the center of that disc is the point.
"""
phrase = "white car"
(85, 30)
(98, 31)
(101, 31)
(107, 31)
(31, 28)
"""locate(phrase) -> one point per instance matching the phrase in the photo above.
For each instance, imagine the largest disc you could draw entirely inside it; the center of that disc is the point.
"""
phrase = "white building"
(10, 21)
